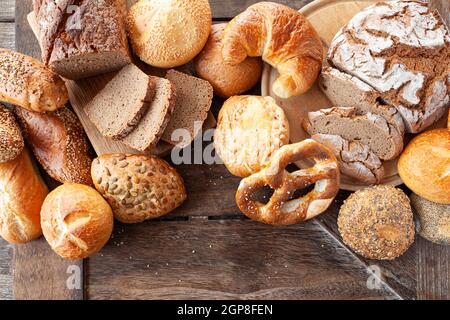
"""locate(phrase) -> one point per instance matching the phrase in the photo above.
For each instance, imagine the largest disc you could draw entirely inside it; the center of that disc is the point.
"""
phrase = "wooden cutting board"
(327, 17)
(81, 92)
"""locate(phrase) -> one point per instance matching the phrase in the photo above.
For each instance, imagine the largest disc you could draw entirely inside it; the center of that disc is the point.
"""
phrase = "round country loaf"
(377, 222)
(138, 187)
(76, 221)
(227, 80)
(249, 130)
(168, 34)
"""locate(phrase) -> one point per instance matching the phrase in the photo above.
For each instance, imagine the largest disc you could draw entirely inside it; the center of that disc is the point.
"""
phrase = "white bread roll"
(76, 221)
(168, 34)
(22, 193)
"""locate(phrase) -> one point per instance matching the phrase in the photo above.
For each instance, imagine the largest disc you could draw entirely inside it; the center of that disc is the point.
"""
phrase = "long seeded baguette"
(26, 82)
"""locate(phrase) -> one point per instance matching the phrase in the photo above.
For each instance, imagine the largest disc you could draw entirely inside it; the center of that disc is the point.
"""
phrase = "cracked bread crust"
(370, 129)
(82, 38)
(356, 160)
(402, 49)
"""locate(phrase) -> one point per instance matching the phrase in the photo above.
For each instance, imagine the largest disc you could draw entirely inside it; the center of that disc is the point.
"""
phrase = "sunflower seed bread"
(138, 187)
(402, 50)
(117, 109)
(369, 129)
(355, 159)
(11, 140)
(82, 38)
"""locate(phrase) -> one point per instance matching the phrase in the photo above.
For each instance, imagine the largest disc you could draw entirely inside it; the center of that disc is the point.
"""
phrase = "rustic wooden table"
(207, 249)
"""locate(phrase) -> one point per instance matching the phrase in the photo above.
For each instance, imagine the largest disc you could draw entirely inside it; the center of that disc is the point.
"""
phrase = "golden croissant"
(283, 37)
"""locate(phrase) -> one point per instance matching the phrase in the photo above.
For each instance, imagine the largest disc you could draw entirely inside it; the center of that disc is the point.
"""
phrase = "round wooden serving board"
(327, 17)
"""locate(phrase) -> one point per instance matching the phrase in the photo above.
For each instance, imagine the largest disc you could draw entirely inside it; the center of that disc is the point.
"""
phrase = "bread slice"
(356, 160)
(117, 109)
(369, 129)
(153, 123)
(344, 90)
(194, 98)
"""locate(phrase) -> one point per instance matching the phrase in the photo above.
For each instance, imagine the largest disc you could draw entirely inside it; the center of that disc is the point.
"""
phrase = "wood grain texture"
(7, 39)
(7, 10)
(206, 259)
(6, 279)
(38, 272)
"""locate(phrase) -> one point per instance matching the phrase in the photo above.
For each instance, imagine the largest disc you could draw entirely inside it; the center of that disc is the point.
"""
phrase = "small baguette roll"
(22, 194)
(28, 83)
(11, 139)
(76, 221)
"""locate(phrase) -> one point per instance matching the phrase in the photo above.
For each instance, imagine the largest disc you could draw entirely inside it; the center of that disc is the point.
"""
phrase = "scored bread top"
(153, 123)
(117, 109)
(194, 98)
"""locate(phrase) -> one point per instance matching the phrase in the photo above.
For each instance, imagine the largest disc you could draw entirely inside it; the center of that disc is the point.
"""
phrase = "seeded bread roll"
(138, 187)
(434, 219)
(76, 221)
(11, 140)
(377, 222)
(28, 83)
(168, 34)
(227, 80)
(59, 143)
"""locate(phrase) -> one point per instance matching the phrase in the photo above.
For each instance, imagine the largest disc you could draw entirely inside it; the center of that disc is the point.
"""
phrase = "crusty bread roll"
(250, 130)
(26, 82)
(227, 80)
(424, 165)
(284, 38)
(59, 143)
(76, 221)
(168, 34)
(11, 140)
(21, 198)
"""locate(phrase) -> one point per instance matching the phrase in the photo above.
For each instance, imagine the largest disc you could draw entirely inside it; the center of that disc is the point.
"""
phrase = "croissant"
(283, 37)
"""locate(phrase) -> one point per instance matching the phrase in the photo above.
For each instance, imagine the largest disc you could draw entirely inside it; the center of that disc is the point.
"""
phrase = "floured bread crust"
(402, 49)
(249, 130)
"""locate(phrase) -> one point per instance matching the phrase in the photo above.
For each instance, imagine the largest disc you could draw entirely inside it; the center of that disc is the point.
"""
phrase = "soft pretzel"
(282, 209)
(283, 37)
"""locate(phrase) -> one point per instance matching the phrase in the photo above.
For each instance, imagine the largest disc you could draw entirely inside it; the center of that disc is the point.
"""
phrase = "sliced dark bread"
(344, 90)
(153, 123)
(194, 98)
(369, 129)
(117, 108)
(356, 160)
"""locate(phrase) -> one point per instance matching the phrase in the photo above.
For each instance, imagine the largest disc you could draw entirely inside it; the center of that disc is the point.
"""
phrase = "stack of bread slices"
(139, 109)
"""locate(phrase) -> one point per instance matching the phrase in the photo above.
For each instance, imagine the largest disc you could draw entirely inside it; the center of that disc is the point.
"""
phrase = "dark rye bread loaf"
(369, 129)
(82, 38)
(356, 160)
(194, 98)
(119, 106)
(153, 123)
(344, 90)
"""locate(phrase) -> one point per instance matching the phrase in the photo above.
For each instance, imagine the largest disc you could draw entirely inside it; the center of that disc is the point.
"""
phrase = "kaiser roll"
(227, 80)
(76, 221)
(169, 33)
(424, 165)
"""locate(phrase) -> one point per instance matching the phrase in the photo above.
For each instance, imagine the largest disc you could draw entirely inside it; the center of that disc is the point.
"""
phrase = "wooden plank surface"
(7, 39)
(204, 259)
(7, 11)
(6, 279)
